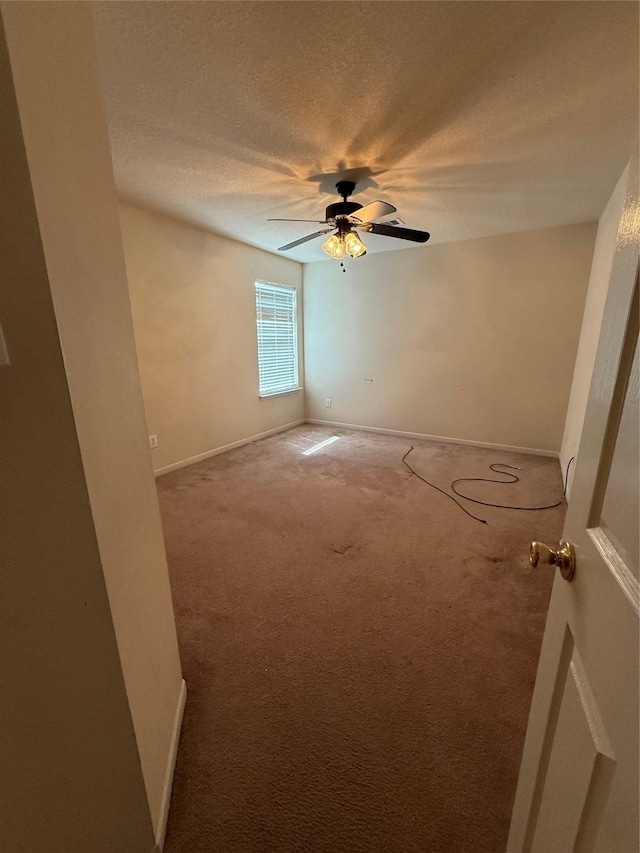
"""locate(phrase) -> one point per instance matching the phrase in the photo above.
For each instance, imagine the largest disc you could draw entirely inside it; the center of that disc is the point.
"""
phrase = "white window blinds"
(276, 319)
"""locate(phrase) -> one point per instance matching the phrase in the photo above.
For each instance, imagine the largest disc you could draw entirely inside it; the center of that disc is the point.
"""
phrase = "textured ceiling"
(472, 118)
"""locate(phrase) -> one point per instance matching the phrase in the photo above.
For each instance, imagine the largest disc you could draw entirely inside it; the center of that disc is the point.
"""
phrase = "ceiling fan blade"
(304, 240)
(374, 210)
(394, 231)
(317, 221)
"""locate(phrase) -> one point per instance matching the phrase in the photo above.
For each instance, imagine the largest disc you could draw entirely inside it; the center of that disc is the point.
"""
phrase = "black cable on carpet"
(493, 467)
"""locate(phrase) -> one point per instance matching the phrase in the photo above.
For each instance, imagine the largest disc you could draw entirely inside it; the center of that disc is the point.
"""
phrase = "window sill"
(280, 393)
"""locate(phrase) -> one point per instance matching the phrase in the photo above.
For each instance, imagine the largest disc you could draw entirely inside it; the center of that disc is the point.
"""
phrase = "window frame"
(271, 285)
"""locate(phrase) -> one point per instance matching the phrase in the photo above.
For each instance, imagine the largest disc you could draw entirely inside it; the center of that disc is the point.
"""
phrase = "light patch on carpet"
(320, 445)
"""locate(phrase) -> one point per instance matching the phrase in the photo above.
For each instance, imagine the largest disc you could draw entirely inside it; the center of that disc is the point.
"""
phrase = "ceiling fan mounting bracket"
(345, 189)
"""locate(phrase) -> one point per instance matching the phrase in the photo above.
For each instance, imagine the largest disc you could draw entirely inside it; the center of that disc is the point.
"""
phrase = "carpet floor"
(359, 654)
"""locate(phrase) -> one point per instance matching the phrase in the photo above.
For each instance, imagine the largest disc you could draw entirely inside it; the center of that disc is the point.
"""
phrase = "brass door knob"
(564, 557)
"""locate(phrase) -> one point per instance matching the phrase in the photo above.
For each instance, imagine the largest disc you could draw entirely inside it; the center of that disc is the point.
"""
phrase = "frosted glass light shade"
(334, 247)
(354, 245)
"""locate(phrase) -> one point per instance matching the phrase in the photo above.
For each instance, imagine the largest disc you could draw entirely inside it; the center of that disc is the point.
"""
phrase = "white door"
(578, 788)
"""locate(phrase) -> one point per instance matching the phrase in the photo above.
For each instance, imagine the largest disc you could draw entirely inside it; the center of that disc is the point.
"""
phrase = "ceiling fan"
(343, 217)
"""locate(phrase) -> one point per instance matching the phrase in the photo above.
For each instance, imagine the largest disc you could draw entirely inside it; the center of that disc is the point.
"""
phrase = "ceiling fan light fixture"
(334, 246)
(354, 245)
(344, 216)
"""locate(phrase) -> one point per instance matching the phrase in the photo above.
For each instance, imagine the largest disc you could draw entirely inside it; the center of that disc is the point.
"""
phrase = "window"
(276, 319)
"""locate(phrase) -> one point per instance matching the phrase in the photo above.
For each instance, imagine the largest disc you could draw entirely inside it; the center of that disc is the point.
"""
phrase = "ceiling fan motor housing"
(341, 208)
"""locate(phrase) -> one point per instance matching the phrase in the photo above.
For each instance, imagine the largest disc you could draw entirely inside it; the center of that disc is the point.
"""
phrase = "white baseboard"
(535, 451)
(440, 438)
(209, 453)
(171, 766)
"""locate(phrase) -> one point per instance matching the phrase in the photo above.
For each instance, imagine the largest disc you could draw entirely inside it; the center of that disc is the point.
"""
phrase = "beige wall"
(193, 300)
(473, 340)
(64, 130)
(70, 777)
(603, 253)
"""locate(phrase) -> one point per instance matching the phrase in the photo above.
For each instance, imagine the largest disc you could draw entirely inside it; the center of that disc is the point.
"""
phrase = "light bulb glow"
(354, 245)
(334, 247)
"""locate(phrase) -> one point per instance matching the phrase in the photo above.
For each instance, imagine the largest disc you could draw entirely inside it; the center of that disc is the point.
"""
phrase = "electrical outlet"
(153, 441)
(327, 403)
